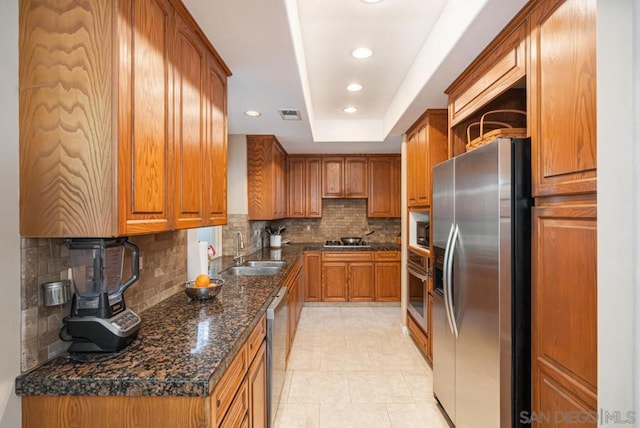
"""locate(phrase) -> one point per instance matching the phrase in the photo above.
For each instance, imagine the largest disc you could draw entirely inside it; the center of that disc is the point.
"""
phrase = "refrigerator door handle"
(449, 287)
(445, 278)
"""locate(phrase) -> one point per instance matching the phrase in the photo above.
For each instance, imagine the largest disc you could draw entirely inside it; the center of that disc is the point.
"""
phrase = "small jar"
(56, 292)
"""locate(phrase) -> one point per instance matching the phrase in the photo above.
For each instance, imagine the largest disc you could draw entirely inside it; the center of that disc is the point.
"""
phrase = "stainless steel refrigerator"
(481, 315)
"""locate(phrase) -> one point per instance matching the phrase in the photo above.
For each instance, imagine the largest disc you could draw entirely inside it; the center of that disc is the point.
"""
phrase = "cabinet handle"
(218, 402)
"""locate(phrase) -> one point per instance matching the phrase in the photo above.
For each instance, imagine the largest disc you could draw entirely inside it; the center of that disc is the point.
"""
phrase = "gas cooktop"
(340, 244)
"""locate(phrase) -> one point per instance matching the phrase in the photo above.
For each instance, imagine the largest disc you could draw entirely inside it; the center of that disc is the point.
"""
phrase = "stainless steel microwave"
(422, 233)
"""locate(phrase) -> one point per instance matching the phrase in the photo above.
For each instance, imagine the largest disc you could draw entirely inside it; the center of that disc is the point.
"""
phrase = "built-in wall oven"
(418, 274)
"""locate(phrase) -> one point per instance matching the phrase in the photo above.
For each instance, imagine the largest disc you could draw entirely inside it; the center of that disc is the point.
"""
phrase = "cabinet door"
(562, 93)
(280, 179)
(292, 307)
(384, 192)
(387, 282)
(361, 282)
(334, 282)
(297, 187)
(257, 379)
(189, 144)
(396, 196)
(412, 167)
(314, 187)
(355, 177)
(436, 150)
(332, 177)
(312, 277)
(216, 169)
(144, 112)
(420, 177)
(564, 309)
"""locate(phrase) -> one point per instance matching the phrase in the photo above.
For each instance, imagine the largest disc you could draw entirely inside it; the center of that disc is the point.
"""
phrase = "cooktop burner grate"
(340, 244)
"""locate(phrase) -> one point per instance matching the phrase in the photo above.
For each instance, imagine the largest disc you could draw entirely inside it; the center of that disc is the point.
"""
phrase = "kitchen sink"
(264, 263)
(253, 270)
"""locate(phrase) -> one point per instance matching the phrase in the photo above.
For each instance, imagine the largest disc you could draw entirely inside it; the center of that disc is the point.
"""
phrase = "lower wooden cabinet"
(360, 282)
(564, 309)
(420, 337)
(387, 282)
(334, 282)
(257, 382)
(313, 276)
(295, 298)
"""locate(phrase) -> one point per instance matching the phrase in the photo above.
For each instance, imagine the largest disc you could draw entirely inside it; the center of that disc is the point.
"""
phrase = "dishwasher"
(277, 324)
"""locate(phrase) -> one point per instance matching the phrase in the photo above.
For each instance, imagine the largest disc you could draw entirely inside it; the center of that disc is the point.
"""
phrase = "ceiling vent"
(290, 114)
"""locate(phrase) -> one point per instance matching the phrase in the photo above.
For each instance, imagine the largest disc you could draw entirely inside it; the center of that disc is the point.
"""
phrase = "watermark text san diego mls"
(603, 416)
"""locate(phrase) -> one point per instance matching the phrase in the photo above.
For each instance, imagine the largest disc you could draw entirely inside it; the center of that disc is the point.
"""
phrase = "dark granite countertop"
(183, 347)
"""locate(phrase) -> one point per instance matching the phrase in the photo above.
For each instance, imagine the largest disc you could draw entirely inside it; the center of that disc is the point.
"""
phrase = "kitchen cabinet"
(257, 382)
(313, 276)
(347, 276)
(305, 187)
(387, 276)
(107, 166)
(189, 141)
(564, 307)
(426, 147)
(295, 298)
(266, 178)
(344, 177)
(216, 167)
(420, 337)
(384, 186)
(561, 88)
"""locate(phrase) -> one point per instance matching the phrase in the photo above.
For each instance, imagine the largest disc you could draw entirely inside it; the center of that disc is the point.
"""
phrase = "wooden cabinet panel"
(314, 187)
(257, 382)
(297, 187)
(561, 408)
(564, 308)
(332, 177)
(145, 135)
(562, 94)
(387, 282)
(238, 408)
(227, 386)
(426, 146)
(347, 256)
(334, 282)
(361, 281)
(384, 187)
(216, 168)
(266, 178)
(387, 256)
(418, 335)
(355, 177)
(189, 142)
(255, 339)
(313, 277)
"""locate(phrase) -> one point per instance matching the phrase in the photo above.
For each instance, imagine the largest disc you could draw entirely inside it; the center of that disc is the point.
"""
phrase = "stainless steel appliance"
(482, 308)
(277, 322)
(99, 319)
(418, 286)
(422, 233)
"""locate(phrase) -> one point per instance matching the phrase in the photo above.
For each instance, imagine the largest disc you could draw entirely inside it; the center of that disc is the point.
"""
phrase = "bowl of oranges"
(203, 287)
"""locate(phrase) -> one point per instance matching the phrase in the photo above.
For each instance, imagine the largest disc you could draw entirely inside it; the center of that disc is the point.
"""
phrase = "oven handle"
(422, 277)
(449, 290)
(445, 278)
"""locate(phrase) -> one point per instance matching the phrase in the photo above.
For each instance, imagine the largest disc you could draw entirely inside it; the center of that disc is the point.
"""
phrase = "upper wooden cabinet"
(344, 177)
(266, 178)
(562, 94)
(426, 147)
(109, 151)
(384, 186)
(305, 187)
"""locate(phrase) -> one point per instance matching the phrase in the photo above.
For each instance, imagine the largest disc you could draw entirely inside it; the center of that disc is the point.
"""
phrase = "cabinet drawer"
(418, 335)
(391, 256)
(238, 409)
(256, 338)
(229, 383)
(347, 256)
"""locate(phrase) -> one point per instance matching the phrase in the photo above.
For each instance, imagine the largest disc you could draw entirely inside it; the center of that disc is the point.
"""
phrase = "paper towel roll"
(203, 257)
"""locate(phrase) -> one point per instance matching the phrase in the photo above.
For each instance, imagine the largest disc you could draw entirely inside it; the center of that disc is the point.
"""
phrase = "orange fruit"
(202, 280)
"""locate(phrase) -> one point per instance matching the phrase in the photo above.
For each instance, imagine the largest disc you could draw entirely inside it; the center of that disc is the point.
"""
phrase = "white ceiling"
(296, 54)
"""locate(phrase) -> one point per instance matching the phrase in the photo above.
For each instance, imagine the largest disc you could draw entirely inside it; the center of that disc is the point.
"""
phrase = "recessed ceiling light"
(252, 113)
(350, 109)
(354, 87)
(362, 53)
(370, 1)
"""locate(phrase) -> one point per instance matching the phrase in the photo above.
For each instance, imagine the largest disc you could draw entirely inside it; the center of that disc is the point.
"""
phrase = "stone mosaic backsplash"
(43, 260)
(340, 217)
(252, 233)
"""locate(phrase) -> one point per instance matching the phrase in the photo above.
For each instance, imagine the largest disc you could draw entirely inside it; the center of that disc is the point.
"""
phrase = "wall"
(341, 217)
(618, 206)
(237, 175)
(163, 271)
(10, 413)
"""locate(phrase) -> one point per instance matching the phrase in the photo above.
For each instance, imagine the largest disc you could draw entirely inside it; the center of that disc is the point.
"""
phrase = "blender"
(99, 320)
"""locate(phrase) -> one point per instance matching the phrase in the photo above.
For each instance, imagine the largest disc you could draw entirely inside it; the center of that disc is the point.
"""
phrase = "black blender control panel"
(125, 320)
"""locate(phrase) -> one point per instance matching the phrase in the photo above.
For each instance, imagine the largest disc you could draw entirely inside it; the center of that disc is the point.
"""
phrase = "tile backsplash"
(43, 260)
(341, 217)
(252, 233)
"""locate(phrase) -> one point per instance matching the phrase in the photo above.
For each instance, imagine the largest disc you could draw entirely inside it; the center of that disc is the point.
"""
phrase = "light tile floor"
(353, 367)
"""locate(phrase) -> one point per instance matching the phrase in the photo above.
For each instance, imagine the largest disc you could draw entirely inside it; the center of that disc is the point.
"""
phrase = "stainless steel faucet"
(239, 256)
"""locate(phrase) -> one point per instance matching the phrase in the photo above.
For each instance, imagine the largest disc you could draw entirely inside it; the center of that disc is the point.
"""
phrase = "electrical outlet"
(140, 262)
(308, 227)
